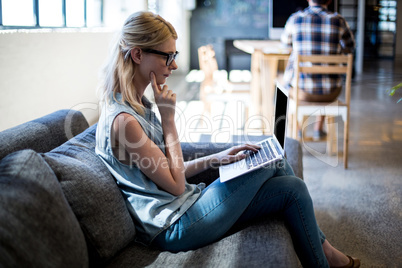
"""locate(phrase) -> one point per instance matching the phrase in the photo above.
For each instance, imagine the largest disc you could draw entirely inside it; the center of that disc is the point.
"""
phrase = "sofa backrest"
(43, 134)
(67, 146)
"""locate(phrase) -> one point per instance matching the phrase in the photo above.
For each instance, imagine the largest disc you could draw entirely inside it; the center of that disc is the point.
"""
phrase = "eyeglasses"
(170, 56)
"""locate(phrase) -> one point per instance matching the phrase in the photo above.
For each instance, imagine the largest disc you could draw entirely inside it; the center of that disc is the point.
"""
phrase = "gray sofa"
(60, 206)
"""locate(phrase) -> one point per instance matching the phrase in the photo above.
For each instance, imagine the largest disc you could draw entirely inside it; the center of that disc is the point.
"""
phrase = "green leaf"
(399, 100)
(394, 89)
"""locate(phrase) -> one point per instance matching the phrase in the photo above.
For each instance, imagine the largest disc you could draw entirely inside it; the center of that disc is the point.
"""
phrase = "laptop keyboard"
(261, 156)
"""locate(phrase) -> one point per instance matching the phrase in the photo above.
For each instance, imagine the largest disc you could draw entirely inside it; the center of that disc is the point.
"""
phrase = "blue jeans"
(261, 193)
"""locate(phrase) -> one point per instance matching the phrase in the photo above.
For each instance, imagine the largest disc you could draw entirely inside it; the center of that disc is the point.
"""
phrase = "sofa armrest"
(294, 155)
(200, 149)
(43, 134)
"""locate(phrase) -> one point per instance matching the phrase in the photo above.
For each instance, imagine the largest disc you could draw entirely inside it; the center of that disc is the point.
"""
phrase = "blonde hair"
(143, 30)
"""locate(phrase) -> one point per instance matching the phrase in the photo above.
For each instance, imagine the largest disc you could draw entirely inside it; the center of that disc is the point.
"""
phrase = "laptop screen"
(281, 107)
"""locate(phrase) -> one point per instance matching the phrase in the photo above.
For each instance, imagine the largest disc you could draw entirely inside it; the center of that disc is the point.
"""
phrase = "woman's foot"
(337, 259)
(353, 262)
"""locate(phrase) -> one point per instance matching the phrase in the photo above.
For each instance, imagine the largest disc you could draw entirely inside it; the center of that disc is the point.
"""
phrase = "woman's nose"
(173, 65)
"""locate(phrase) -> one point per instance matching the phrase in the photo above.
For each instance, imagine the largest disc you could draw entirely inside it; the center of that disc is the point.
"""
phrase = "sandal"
(353, 263)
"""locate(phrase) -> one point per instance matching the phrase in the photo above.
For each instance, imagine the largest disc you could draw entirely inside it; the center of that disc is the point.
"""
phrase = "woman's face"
(157, 63)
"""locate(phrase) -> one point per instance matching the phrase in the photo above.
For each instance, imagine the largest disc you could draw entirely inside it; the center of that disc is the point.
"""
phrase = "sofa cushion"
(92, 194)
(37, 226)
(262, 243)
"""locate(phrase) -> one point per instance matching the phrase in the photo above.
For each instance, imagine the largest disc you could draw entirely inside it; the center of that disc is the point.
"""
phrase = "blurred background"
(51, 51)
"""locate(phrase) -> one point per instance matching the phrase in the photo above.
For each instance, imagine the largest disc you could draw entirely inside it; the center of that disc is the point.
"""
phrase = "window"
(387, 16)
(50, 13)
(17, 13)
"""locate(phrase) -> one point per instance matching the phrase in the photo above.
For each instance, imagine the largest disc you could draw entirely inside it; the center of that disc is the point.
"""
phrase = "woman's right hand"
(165, 99)
(233, 154)
(225, 157)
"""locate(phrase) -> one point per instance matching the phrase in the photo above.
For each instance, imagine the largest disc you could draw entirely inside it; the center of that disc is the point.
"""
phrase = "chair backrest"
(208, 63)
(325, 64)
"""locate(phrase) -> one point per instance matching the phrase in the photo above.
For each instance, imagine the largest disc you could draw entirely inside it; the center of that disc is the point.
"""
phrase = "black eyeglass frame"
(170, 56)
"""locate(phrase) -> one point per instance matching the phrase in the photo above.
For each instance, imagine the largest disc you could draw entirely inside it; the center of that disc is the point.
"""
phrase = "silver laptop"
(272, 148)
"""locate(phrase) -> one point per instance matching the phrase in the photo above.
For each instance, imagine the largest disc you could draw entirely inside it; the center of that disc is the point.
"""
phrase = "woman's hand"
(228, 156)
(233, 154)
(165, 99)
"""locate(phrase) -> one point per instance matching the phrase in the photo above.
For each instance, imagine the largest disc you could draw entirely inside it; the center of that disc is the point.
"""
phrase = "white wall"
(178, 13)
(41, 72)
(116, 11)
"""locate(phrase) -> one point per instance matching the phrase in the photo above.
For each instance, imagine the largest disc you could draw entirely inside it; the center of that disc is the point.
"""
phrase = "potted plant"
(394, 89)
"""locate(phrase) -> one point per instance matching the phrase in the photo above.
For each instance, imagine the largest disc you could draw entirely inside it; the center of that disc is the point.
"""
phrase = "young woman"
(145, 157)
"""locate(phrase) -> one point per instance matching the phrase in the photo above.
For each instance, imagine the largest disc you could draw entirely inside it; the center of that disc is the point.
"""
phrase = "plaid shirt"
(315, 30)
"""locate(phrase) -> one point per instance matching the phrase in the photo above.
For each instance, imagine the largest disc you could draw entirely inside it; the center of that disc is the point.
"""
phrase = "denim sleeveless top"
(153, 209)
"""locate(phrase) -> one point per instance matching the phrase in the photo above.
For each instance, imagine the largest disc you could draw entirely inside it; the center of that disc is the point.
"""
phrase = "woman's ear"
(136, 55)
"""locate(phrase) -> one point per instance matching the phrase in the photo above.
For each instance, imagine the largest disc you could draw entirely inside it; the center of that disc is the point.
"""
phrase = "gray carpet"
(359, 209)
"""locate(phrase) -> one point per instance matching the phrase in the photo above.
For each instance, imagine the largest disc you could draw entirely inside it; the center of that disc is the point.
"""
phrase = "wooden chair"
(324, 64)
(216, 86)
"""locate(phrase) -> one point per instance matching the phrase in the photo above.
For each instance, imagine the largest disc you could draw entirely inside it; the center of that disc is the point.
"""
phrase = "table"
(265, 58)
